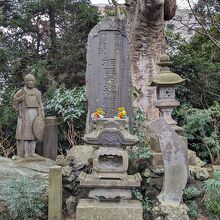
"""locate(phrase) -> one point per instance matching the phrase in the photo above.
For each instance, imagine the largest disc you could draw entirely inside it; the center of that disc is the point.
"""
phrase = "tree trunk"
(146, 35)
(51, 13)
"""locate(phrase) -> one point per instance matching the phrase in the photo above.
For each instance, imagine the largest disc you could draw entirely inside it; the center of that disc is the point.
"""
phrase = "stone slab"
(89, 180)
(50, 138)
(175, 157)
(90, 210)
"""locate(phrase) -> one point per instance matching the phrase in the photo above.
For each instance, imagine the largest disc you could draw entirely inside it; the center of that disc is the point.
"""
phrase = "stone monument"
(30, 126)
(108, 87)
(108, 84)
(175, 159)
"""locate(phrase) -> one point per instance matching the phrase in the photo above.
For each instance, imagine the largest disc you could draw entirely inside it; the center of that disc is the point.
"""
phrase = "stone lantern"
(166, 82)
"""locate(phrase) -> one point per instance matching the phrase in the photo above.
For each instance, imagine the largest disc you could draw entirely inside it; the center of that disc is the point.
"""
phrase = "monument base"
(89, 209)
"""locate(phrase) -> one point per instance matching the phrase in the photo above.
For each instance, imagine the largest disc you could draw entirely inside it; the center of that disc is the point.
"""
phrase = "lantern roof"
(166, 77)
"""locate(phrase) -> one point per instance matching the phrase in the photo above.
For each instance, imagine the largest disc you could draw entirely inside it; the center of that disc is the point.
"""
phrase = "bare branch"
(212, 19)
(206, 33)
(215, 42)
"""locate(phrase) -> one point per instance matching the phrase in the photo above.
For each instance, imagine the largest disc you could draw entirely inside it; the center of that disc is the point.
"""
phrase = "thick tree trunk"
(146, 33)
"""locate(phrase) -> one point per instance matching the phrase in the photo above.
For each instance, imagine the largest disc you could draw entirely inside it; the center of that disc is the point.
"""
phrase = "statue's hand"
(20, 98)
(42, 114)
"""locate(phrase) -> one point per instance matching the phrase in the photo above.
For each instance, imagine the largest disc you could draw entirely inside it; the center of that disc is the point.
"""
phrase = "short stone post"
(50, 140)
(55, 193)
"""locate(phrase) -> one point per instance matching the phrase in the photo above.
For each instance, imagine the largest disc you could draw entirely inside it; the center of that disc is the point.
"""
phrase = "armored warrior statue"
(27, 102)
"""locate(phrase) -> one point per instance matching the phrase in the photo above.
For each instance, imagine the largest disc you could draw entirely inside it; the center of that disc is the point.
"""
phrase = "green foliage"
(202, 128)
(212, 197)
(191, 192)
(193, 209)
(110, 11)
(51, 33)
(8, 117)
(197, 61)
(23, 197)
(68, 104)
(140, 130)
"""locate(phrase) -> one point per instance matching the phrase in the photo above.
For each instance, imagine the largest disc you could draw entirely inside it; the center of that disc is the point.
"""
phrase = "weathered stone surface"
(117, 163)
(154, 144)
(62, 161)
(81, 154)
(90, 180)
(89, 210)
(198, 173)
(175, 158)
(108, 84)
(9, 169)
(55, 193)
(110, 131)
(156, 159)
(70, 205)
(66, 171)
(50, 139)
(170, 212)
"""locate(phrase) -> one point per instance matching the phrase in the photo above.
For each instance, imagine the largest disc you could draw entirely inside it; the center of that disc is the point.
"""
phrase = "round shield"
(38, 127)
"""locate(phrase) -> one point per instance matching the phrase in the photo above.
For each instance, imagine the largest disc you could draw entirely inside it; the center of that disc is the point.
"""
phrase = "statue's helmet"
(29, 77)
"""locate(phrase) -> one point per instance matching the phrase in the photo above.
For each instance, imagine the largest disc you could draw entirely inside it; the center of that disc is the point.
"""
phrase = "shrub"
(202, 128)
(193, 209)
(23, 197)
(70, 106)
(212, 196)
(191, 192)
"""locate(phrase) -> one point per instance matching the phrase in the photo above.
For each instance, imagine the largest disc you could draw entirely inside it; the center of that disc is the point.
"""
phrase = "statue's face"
(30, 83)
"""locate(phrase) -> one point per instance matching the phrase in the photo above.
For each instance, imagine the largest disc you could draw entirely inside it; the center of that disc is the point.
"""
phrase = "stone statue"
(27, 102)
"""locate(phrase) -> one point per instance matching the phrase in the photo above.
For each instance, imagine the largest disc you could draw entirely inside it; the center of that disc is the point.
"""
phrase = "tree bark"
(146, 36)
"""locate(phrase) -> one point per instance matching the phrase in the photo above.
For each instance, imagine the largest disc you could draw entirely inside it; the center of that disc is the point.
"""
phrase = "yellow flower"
(121, 109)
(124, 113)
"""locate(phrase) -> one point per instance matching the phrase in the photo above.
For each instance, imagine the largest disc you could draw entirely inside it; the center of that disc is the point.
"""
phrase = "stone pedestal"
(91, 210)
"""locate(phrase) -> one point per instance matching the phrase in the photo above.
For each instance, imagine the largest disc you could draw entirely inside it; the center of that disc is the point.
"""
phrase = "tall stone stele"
(30, 126)
(109, 87)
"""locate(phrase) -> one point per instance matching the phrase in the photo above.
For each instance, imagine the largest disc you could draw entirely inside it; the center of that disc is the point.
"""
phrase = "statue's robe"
(28, 110)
